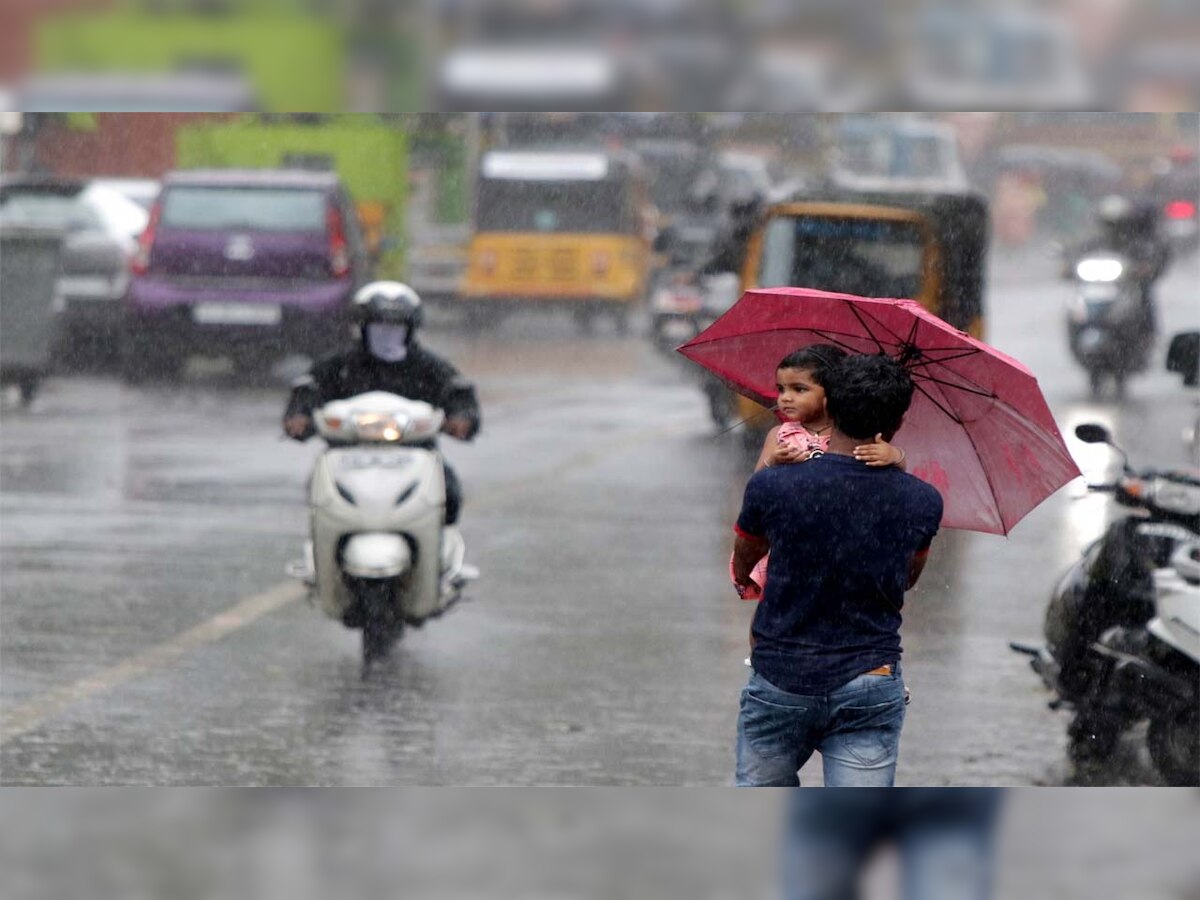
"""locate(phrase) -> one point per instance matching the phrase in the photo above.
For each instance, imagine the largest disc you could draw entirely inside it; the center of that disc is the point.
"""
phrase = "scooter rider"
(388, 357)
(1131, 229)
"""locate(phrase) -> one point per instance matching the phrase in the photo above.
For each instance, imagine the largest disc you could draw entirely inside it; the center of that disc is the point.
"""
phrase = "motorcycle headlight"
(1099, 269)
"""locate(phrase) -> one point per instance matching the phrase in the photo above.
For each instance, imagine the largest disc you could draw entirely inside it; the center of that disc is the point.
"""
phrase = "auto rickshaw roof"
(556, 164)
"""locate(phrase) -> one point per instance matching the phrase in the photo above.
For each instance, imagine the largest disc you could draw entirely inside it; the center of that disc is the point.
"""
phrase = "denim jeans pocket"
(869, 747)
(771, 728)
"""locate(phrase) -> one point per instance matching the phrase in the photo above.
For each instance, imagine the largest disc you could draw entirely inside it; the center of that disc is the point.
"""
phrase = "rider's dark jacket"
(422, 375)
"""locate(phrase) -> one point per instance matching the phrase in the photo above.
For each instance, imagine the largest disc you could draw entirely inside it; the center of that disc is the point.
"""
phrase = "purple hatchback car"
(247, 264)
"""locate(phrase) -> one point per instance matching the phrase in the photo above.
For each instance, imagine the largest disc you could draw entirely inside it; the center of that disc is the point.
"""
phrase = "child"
(805, 427)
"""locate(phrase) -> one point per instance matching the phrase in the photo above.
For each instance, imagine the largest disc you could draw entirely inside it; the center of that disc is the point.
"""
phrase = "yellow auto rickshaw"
(557, 228)
(928, 247)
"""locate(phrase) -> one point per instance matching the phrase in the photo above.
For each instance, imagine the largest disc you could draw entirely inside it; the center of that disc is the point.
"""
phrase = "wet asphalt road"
(437, 844)
(148, 635)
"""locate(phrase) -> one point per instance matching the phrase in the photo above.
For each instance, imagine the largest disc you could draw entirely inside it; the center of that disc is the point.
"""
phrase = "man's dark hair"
(817, 359)
(868, 395)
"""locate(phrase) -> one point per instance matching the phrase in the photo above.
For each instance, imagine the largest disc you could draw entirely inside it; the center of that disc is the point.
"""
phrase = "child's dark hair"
(817, 359)
(868, 395)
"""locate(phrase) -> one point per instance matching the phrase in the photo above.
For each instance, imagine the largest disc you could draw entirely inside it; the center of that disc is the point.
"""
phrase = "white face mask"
(387, 342)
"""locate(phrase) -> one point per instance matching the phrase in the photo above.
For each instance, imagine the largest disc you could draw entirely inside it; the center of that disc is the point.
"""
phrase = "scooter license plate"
(374, 460)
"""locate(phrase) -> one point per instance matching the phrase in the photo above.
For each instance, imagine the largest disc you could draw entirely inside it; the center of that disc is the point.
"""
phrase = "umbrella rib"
(921, 356)
(979, 392)
(958, 351)
(833, 339)
(858, 315)
(747, 420)
(953, 416)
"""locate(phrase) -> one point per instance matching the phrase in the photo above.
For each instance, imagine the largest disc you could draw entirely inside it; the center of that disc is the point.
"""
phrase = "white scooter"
(380, 555)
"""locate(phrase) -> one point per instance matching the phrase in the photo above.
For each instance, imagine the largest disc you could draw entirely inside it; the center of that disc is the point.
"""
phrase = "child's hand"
(782, 454)
(879, 453)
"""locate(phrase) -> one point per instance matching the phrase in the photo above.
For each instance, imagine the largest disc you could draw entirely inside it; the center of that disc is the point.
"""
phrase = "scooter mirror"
(1093, 434)
(1183, 357)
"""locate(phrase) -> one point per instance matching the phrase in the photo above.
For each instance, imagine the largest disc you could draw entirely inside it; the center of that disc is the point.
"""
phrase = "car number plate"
(237, 313)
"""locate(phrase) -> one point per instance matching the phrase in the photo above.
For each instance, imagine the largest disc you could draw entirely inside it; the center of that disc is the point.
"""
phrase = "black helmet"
(1119, 211)
(389, 302)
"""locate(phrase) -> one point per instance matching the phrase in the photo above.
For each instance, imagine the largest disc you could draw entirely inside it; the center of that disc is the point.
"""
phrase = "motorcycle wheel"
(1174, 744)
(381, 626)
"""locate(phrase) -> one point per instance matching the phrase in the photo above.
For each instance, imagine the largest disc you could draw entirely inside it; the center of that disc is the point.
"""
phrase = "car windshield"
(47, 208)
(870, 258)
(244, 208)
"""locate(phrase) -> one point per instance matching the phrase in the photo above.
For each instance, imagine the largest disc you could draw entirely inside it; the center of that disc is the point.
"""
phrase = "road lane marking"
(29, 716)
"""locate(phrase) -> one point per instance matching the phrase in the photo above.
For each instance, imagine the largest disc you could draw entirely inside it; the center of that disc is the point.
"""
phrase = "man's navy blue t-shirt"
(841, 535)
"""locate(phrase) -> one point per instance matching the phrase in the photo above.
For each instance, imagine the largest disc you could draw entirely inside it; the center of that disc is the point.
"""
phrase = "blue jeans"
(855, 728)
(945, 838)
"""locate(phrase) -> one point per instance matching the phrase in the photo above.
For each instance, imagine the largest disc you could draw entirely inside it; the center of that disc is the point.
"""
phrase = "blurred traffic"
(168, 276)
(585, 55)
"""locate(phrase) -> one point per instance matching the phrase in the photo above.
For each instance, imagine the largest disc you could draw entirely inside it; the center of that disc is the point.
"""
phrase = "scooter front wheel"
(382, 626)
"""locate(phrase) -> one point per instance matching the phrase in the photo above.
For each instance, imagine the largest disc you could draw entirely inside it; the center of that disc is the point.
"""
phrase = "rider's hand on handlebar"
(297, 427)
(457, 426)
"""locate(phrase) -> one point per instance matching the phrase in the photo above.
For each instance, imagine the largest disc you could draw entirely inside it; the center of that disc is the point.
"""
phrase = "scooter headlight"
(379, 427)
(1099, 269)
(1182, 499)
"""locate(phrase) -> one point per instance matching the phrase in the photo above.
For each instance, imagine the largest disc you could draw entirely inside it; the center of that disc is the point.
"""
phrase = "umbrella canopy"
(978, 430)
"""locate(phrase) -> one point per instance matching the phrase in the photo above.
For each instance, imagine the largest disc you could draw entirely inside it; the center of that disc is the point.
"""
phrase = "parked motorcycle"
(1111, 586)
(380, 556)
(1153, 671)
(1110, 326)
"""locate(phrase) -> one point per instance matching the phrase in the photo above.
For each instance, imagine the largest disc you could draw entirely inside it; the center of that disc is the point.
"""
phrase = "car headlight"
(1099, 269)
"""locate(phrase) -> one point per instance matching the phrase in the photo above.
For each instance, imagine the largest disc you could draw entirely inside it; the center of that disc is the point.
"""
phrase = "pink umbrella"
(978, 430)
